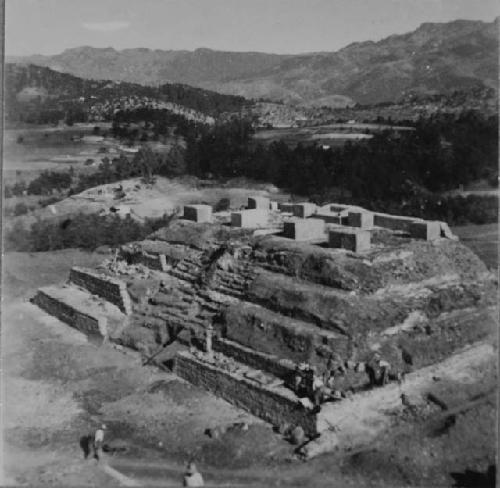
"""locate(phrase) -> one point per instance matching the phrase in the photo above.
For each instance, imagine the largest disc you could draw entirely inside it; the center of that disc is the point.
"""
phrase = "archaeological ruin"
(255, 315)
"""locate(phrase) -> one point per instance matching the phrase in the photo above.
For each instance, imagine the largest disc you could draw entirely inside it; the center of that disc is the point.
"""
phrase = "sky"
(279, 26)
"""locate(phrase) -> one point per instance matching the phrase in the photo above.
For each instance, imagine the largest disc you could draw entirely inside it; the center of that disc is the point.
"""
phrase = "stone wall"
(272, 333)
(285, 207)
(330, 217)
(281, 368)
(277, 406)
(151, 261)
(79, 319)
(394, 222)
(107, 287)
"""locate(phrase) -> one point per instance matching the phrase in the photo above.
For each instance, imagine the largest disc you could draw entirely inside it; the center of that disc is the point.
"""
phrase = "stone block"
(304, 229)
(361, 219)
(256, 217)
(304, 209)
(337, 207)
(352, 239)
(428, 230)
(198, 213)
(273, 206)
(258, 202)
(286, 207)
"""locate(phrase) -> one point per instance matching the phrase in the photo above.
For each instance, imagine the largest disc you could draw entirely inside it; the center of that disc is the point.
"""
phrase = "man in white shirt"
(192, 477)
(99, 441)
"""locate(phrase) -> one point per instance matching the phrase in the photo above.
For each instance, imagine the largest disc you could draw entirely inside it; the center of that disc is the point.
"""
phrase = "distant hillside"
(435, 58)
(35, 93)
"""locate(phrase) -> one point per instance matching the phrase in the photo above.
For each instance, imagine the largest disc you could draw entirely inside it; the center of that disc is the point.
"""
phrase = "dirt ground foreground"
(59, 386)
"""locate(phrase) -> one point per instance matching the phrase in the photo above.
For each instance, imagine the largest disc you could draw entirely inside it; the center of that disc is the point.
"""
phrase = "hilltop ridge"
(434, 58)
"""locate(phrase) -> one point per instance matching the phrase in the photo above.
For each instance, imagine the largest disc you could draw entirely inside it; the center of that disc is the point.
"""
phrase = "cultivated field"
(331, 134)
(29, 151)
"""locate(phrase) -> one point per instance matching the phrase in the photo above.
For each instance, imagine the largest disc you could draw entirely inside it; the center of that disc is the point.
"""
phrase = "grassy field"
(483, 240)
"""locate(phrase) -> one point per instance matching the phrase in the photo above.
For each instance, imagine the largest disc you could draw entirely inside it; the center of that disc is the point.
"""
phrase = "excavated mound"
(305, 302)
(274, 302)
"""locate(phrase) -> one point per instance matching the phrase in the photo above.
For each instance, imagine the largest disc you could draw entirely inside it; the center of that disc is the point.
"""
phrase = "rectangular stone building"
(362, 219)
(198, 213)
(256, 217)
(304, 209)
(258, 202)
(428, 230)
(352, 239)
(304, 229)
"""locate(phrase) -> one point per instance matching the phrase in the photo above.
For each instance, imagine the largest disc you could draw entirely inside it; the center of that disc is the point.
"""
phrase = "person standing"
(385, 369)
(193, 477)
(99, 441)
(318, 392)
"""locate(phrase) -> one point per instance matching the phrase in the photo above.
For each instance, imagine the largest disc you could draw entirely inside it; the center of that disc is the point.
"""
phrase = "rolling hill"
(435, 58)
(39, 94)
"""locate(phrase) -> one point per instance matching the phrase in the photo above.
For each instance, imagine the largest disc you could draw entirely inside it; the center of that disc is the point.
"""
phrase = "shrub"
(87, 231)
(21, 209)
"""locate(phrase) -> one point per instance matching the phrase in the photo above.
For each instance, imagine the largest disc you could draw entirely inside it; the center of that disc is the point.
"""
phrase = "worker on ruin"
(99, 441)
(308, 374)
(297, 381)
(192, 476)
(329, 374)
(317, 392)
(384, 368)
(378, 370)
(372, 369)
(209, 332)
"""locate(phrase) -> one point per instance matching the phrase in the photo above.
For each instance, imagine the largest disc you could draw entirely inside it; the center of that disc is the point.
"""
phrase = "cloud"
(109, 26)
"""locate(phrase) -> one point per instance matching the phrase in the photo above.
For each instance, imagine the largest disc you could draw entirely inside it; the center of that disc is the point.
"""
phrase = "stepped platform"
(81, 310)
(272, 302)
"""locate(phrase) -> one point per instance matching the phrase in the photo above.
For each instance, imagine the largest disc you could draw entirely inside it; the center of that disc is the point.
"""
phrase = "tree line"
(401, 172)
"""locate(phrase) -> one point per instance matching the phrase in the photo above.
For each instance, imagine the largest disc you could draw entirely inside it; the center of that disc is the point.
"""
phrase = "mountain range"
(435, 58)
